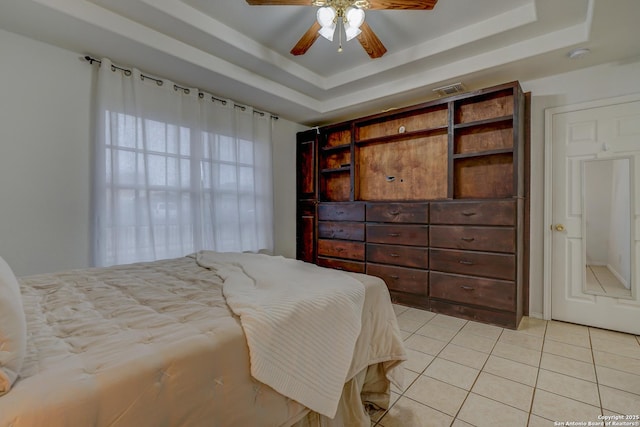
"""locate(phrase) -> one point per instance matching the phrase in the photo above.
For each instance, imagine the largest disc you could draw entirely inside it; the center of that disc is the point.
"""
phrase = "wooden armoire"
(431, 198)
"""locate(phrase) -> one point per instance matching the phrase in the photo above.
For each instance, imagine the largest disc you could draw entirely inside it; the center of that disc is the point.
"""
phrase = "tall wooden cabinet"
(430, 198)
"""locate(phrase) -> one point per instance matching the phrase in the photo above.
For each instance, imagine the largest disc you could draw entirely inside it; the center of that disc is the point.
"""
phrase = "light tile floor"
(463, 373)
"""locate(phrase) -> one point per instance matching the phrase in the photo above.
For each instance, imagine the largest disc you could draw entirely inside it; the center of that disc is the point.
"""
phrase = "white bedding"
(155, 344)
(301, 326)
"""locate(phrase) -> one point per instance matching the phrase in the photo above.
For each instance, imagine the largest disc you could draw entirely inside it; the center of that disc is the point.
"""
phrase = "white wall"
(284, 178)
(45, 157)
(599, 82)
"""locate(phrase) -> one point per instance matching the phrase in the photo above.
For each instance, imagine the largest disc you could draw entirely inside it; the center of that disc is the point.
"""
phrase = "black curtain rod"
(176, 87)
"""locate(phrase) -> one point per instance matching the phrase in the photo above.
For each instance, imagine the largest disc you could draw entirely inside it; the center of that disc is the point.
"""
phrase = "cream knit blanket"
(301, 322)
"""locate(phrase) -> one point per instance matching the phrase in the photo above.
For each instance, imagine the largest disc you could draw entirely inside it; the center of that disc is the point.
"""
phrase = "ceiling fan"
(350, 15)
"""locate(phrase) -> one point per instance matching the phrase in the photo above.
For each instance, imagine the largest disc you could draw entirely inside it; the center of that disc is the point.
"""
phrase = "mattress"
(155, 344)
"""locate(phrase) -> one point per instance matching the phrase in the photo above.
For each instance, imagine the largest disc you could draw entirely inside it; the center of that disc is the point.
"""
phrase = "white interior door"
(576, 137)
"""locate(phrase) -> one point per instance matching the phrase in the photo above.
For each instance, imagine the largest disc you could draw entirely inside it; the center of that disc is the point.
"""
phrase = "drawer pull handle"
(465, 262)
(341, 231)
(339, 249)
(468, 239)
(394, 277)
(391, 178)
(394, 213)
(394, 234)
(394, 255)
(339, 212)
(467, 288)
(467, 213)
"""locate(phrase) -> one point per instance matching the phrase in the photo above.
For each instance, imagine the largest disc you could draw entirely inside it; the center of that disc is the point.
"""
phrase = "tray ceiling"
(241, 52)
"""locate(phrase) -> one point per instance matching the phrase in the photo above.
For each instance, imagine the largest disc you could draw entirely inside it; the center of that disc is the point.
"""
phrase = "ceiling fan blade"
(402, 4)
(370, 42)
(307, 40)
(280, 2)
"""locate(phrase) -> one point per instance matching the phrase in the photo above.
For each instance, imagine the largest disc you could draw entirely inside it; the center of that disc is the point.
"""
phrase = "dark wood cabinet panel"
(488, 239)
(401, 279)
(407, 122)
(306, 230)
(396, 234)
(306, 193)
(306, 171)
(498, 266)
(429, 197)
(341, 212)
(341, 264)
(484, 177)
(500, 318)
(495, 136)
(416, 213)
(393, 171)
(409, 256)
(487, 105)
(341, 230)
(490, 212)
(341, 249)
(499, 294)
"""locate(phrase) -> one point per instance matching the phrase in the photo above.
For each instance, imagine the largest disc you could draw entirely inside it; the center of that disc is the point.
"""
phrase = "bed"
(185, 342)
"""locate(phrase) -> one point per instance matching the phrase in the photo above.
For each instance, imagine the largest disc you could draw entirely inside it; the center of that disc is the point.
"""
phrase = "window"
(171, 180)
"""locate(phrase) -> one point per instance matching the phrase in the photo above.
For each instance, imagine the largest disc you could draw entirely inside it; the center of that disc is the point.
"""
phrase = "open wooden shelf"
(442, 130)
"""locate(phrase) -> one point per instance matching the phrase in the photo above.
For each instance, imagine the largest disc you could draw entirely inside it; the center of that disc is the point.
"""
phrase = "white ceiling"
(241, 52)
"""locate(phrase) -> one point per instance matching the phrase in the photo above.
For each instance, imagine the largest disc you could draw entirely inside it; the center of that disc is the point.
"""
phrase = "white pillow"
(13, 328)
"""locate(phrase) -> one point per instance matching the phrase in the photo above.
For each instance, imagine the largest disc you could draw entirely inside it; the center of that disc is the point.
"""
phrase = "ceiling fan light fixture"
(355, 17)
(328, 32)
(351, 32)
(326, 16)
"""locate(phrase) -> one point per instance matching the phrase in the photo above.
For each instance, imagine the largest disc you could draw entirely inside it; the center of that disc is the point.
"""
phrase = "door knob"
(559, 227)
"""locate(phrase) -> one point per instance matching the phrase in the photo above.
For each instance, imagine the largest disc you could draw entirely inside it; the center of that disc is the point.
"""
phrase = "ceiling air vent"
(451, 89)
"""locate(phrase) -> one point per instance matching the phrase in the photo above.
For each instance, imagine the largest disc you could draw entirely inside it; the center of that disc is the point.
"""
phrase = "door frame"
(549, 114)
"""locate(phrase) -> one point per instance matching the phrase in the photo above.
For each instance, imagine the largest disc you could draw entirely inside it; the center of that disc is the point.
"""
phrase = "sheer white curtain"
(176, 172)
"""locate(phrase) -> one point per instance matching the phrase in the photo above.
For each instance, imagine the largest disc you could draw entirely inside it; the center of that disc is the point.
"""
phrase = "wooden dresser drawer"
(497, 266)
(499, 294)
(417, 213)
(340, 264)
(503, 319)
(414, 235)
(408, 256)
(490, 212)
(401, 279)
(341, 230)
(341, 212)
(341, 249)
(490, 239)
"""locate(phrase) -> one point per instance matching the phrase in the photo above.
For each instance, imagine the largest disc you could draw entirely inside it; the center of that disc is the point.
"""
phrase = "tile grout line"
(479, 372)
(421, 373)
(595, 372)
(535, 385)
